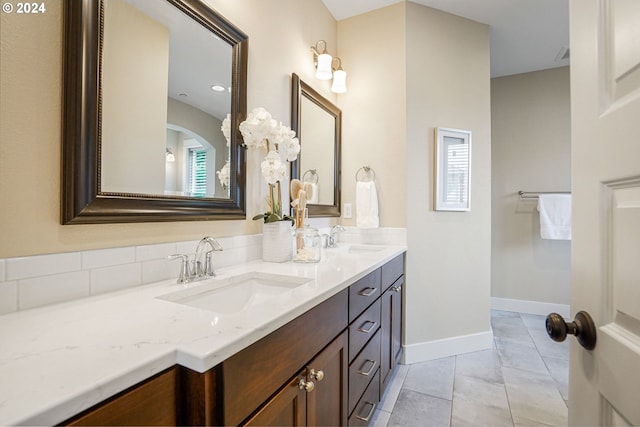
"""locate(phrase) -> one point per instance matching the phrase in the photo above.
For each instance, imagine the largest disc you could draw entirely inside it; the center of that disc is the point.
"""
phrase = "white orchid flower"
(226, 128)
(272, 167)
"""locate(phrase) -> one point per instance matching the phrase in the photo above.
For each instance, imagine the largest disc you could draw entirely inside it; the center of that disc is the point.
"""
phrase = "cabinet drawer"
(365, 408)
(363, 293)
(363, 328)
(391, 271)
(363, 369)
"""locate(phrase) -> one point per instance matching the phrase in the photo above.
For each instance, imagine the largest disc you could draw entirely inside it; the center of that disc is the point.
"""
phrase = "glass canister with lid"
(308, 244)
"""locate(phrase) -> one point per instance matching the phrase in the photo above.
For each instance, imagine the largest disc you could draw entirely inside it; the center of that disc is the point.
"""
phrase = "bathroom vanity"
(319, 353)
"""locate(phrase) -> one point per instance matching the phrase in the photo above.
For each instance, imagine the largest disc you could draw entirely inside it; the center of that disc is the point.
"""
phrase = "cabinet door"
(396, 320)
(327, 403)
(385, 337)
(391, 325)
(287, 408)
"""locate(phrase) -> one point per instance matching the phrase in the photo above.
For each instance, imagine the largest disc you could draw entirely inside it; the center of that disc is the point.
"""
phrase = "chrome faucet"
(204, 268)
(198, 268)
(332, 241)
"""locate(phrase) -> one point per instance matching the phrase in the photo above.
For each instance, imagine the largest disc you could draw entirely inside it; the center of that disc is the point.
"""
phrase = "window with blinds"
(197, 174)
(456, 175)
(453, 170)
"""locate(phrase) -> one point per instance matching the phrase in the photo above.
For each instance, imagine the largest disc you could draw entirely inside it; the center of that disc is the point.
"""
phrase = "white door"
(605, 104)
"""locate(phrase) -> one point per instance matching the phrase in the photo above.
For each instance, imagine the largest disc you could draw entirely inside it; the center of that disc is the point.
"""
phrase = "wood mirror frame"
(300, 89)
(82, 200)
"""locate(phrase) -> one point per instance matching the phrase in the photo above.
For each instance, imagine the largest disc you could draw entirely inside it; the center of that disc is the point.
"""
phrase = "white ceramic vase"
(277, 241)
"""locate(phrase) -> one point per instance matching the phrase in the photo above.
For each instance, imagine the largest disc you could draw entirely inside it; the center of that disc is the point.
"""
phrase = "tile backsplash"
(34, 281)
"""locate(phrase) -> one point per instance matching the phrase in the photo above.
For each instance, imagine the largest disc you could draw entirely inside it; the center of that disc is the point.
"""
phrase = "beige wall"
(411, 69)
(372, 49)
(448, 262)
(280, 31)
(531, 151)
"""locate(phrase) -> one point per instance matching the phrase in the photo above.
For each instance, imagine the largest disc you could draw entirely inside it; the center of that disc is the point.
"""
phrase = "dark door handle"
(582, 327)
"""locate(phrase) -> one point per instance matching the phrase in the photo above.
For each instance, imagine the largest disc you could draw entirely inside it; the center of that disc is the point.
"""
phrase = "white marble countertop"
(58, 360)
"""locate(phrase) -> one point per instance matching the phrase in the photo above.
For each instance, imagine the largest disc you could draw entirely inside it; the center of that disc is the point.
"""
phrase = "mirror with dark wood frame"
(318, 125)
(101, 137)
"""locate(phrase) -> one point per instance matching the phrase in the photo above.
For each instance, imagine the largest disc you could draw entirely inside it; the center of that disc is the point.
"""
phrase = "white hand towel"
(367, 205)
(555, 216)
(314, 193)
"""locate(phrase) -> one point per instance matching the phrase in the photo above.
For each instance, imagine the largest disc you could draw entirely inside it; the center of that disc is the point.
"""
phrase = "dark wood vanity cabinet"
(329, 366)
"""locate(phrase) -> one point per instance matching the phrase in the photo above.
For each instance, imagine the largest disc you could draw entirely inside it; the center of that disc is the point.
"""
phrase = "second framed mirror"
(318, 125)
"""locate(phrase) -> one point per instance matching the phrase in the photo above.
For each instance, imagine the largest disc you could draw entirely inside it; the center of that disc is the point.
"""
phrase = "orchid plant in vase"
(261, 131)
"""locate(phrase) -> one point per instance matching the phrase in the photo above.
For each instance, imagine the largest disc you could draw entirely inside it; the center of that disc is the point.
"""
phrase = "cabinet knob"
(396, 288)
(307, 386)
(316, 375)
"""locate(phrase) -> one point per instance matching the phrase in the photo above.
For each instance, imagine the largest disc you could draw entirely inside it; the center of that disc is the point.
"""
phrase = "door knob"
(582, 327)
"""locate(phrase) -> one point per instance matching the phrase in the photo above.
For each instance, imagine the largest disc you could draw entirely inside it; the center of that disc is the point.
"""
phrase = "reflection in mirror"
(147, 109)
(152, 90)
(316, 165)
(318, 125)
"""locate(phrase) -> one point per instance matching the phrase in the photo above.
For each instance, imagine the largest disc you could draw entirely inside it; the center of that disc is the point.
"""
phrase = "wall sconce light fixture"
(170, 156)
(324, 68)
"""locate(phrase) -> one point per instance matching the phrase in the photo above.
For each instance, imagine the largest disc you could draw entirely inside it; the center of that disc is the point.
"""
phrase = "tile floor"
(522, 381)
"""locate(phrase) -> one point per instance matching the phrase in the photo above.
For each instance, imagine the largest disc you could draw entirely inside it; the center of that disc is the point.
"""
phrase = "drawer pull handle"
(316, 375)
(396, 288)
(373, 408)
(367, 292)
(371, 328)
(307, 386)
(371, 369)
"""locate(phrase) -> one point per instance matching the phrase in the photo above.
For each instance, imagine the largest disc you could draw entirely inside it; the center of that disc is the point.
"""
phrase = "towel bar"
(535, 194)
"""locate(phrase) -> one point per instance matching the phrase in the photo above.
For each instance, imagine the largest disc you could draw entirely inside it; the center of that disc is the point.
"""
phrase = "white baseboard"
(414, 353)
(530, 307)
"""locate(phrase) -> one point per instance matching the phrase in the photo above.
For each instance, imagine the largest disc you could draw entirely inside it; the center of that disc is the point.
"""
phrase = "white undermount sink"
(237, 293)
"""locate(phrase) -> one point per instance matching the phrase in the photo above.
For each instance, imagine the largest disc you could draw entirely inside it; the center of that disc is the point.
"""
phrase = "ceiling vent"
(563, 54)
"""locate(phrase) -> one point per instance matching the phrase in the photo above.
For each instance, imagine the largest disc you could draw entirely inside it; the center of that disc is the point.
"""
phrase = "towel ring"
(313, 173)
(368, 171)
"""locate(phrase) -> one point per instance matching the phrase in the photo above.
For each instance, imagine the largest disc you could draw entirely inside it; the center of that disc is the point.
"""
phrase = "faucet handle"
(208, 264)
(185, 271)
